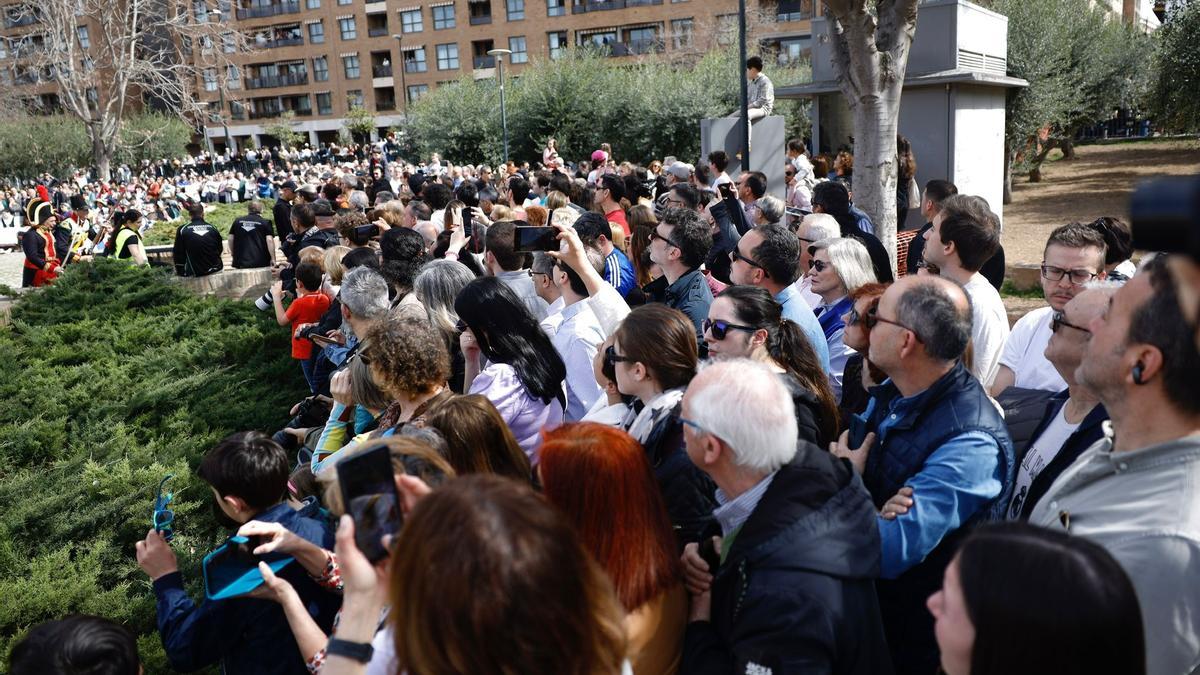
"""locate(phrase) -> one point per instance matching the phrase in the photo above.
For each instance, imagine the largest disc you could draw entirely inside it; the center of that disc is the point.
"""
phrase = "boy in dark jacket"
(788, 586)
(248, 474)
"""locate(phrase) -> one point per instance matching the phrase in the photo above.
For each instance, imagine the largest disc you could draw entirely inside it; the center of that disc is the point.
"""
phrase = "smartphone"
(726, 190)
(369, 494)
(322, 340)
(530, 239)
(232, 569)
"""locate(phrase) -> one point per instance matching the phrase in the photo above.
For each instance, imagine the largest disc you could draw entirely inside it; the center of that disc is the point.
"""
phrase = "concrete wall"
(978, 152)
(768, 143)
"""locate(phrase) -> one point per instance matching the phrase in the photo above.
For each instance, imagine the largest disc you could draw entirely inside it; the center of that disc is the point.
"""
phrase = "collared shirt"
(522, 284)
(1143, 506)
(796, 310)
(732, 513)
(834, 333)
(760, 93)
(554, 319)
(577, 340)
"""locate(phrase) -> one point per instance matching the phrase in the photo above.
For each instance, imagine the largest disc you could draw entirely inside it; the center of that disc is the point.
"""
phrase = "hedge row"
(117, 377)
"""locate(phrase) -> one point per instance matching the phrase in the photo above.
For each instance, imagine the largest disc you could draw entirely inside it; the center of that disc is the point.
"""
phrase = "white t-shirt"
(989, 327)
(1041, 453)
(1025, 353)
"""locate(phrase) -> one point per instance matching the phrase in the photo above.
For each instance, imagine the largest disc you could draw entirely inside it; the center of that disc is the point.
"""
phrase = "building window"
(516, 9)
(316, 33)
(85, 40)
(347, 27)
(793, 49)
(344, 2)
(228, 43)
(416, 91)
(355, 98)
(599, 39)
(727, 27)
(681, 33)
(312, 4)
(210, 79)
(556, 7)
(410, 21)
(519, 53)
(321, 69)
(443, 17)
(414, 60)
(350, 63)
(447, 56)
(324, 103)
(206, 44)
(642, 40)
(233, 77)
(558, 43)
(200, 11)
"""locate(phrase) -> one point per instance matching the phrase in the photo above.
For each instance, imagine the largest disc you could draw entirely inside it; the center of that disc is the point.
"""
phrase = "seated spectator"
(1074, 256)
(506, 264)
(248, 474)
(654, 361)
(477, 439)
(1076, 608)
(1118, 242)
(596, 232)
(305, 309)
(839, 267)
(678, 246)
(930, 428)
(788, 584)
(768, 256)
(744, 322)
(524, 374)
(517, 542)
(600, 479)
(964, 235)
(436, 286)
(860, 375)
(76, 644)
(1135, 491)
(252, 239)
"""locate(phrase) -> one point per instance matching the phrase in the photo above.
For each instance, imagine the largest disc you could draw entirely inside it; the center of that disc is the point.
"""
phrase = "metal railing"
(482, 62)
(285, 80)
(481, 19)
(384, 106)
(377, 31)
(281, 42)
(382, 70)
(19, 21)
(276, 112)
(276, 9)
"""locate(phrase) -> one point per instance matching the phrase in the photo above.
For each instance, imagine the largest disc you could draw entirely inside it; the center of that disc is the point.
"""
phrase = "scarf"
(641, 419)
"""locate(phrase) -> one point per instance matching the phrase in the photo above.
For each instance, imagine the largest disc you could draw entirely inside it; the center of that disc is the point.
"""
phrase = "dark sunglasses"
(818, 265)
(613, 358)
(734, 256)
(1059, 319)
(720, 329)
(853, 318)
(461, 326)
(655, 235)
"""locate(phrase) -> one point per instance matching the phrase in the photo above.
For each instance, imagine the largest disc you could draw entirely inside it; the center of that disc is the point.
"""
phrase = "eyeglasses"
(461, 326)
(853, 318)
(879, 319)
(818, 265)
(1078, 277)
(734, 256)
(611, 355)
(720, 329)
(691, 423)
(163, 516)
(655, 235)
(1059, 319)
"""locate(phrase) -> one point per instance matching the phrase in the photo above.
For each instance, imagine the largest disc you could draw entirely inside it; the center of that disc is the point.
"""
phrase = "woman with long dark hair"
(746, 322)
(124, 242)
(599, 478)
(524, 372)
(1022, 599)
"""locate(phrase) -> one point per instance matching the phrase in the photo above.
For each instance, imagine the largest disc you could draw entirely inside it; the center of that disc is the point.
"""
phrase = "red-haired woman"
(599, 477)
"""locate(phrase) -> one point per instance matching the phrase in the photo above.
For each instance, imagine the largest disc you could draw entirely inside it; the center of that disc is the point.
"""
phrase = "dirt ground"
(1098, 182)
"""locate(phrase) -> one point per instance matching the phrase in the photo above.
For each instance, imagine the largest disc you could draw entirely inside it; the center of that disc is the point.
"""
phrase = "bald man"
(936, 435)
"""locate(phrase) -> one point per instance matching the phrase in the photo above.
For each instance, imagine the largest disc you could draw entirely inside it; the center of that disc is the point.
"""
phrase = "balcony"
(794, 10)
(258, 12)
(415, 66)
(482, 62)
(276, 112)
(285, 80)
(377, 32)
(280, 42)
(385, 106)
(645, 46)
(19, 21)
(480, 20)
(583, 6)
(382, 70)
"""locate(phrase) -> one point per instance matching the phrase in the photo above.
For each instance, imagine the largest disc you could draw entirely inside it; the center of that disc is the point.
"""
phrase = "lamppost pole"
(221, 97)
(403, 86)
(499, 54)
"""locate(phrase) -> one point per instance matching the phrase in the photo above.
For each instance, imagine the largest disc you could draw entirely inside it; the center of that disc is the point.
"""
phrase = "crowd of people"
(705, 432)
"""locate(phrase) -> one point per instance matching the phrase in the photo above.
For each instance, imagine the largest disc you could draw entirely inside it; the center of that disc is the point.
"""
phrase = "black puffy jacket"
(688, 491)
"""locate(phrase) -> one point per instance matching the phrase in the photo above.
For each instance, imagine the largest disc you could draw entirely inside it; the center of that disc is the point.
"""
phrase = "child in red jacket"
(308, 308)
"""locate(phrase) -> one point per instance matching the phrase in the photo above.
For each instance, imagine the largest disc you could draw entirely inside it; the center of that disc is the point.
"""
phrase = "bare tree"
(112, 57)
(870, 41)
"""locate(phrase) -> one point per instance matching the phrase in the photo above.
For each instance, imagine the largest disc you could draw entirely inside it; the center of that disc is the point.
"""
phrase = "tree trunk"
(1035, 174)
(1008, 162)
(1068, 147)
(875, 162)
(101, 152)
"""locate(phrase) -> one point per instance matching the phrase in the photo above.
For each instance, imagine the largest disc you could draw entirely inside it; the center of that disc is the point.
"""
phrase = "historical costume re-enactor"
(41, 258)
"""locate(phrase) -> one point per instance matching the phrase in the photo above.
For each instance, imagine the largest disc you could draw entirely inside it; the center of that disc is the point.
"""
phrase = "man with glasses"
(1074, 256)
(930, 428)
(610, 190)
(542, 273)
(678, 245)
(767, 257)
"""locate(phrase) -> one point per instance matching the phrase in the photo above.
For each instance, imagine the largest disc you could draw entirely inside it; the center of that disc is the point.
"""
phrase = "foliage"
(221, 216)
(118, 377)
(32, 144)
(1081, 65)
(1174, 95)
(644, 109)
(152, 136)
(284, 130)
(359, 122)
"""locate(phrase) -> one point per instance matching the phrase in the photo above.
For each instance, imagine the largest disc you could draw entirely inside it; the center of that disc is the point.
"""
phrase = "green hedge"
(116, 377)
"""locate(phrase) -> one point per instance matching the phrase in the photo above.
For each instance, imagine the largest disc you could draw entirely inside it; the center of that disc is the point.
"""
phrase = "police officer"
(251, 239)
(198, 246)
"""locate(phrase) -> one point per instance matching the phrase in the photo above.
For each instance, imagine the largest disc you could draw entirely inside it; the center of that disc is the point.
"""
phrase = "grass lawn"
(221, 216)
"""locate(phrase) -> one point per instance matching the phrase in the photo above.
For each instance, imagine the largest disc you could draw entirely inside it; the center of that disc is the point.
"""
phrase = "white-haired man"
(795, 520)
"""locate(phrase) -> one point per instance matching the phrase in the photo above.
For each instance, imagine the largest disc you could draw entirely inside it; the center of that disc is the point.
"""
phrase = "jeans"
(306, 365)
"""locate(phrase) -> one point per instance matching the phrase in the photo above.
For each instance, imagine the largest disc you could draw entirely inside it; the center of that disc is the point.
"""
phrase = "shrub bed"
(115, 378)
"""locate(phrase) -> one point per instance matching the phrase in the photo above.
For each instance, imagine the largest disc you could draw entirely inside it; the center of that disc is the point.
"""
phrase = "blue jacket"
(245, 635)
(689, 294)
(795, 592)
(1090, 430)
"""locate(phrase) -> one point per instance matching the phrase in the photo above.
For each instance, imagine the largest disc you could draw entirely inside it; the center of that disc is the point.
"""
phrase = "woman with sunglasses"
(838, 267)
(860, 374)
(746, 322)
(654, 353)
(523, 374)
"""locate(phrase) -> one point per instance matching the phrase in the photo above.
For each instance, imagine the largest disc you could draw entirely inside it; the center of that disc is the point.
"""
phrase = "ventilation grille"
(969, 60)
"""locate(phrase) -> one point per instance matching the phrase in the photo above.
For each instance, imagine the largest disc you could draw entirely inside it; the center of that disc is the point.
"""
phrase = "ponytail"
(792, 350)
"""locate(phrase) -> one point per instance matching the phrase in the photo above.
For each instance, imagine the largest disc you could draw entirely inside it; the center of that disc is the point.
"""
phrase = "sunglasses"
(613, 358)
(734, 256)
(461, 326)
(655, 235)
(853, 318)
(720, 329)
(818, 265)
(1059, 319)
(163, 516)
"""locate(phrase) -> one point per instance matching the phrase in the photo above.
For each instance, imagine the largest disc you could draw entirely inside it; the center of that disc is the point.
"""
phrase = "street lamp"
(403, 66)
(500, 54)
(221, 96)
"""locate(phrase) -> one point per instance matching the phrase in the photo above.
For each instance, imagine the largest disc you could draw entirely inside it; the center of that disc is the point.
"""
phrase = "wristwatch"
(355, 651)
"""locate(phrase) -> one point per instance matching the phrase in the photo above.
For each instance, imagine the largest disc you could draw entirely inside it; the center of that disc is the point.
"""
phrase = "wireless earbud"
(1137, 373)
